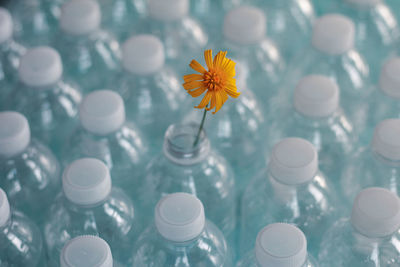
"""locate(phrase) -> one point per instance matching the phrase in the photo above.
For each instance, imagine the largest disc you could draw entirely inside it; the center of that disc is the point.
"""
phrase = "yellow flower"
(218, 80)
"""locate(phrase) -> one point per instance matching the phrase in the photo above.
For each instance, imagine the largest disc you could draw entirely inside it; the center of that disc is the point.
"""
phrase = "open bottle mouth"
(180, 146)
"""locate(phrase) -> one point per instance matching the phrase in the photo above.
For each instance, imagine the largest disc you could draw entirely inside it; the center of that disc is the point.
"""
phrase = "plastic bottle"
(10, 54)
(316, 116)
(244, 36)
(86, 251)
(279, 244)
(289, 23)
(370, 237)
(182, 36)
(332, 53)
(105, 134)
(377, 164)
(29, 172)
(33, 24)
(291, 190)
(195, 169)
(152, 91)
(20, 239)
(91, 55)
(89, 205)
(49, 102)
(181, 235)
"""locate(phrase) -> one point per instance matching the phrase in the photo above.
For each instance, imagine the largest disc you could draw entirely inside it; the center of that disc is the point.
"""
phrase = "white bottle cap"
(364, 2)
(333, 34)
(281, 245)
(376, 212)
(86, 181)
(386, 141)
(389, 81)
(143, 54)
(40, 66)
(102, 112)
(80, 17)
(6, 25)
(15, 134)
(4, 208)
(316, 96)
(179, 217)
(86, 251)
(293, 161)
(168, 10)
(245, 25)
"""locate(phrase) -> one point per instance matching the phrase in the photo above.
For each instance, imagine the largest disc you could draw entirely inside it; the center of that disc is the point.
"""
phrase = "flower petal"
(208, 58)
(231, 90)
(213, 101)
(229, 67)
(219, 58)
(192, 85)
(206, 99)
(197, 92)
(197, 67)
(192, 77)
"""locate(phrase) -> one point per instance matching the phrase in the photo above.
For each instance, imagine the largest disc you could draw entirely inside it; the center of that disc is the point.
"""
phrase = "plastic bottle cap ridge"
(179, 217)
(86, 251)
(86, 181)
(16, 136)
(168, 10)
(6, 25)
(281, 245)
(245, 25)
(4, 208)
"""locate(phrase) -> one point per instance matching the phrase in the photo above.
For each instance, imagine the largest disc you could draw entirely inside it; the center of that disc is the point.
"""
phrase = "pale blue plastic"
(249, 260)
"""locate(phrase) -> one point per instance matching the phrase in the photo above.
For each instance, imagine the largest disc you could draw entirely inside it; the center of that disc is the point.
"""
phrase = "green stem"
(200, 128)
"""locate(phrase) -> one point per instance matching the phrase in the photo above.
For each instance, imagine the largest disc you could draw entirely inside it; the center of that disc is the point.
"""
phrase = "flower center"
(214, 80)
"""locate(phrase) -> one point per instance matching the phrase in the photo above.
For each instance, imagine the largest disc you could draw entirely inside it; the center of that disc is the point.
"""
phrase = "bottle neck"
(366, 245)
(383, 160)
(179, 144)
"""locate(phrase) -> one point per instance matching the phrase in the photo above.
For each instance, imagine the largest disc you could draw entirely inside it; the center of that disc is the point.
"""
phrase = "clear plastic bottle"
(332, 53)
(377, 30)
(183, 167)
(33, 23)
(238, 131)
(182, 36)
(29, 172)
(153, 94)
(10, 55)
(291, 190)
(89, 205)
(105, 134)
(91, 55)
(20, 239)
(289, 23)
(384, 101)
(181, 236)
(86, 251)
(316, 116)
(244, 36)
(49, 102)
(370, 237)
(375, 165)
(279, 244)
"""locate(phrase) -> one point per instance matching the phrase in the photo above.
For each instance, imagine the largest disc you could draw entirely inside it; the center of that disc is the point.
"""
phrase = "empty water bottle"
(89, 205)
(370, 237)
(291, 190)
(279, 244)
(33, 23)
(86, 251)
(245, 38)
(183, 166)
(29, 172)
(91, 55)
(181, 35)
(289, 23)
(377, 30)
(332, 53)
(376, 164)
(48, 101)
(10, 54)
(181, 235)
(105, 134)
(317, 117)
(153, 94)
(20, 239)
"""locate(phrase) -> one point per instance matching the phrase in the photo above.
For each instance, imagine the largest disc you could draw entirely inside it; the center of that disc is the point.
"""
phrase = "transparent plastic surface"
(249, 260)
